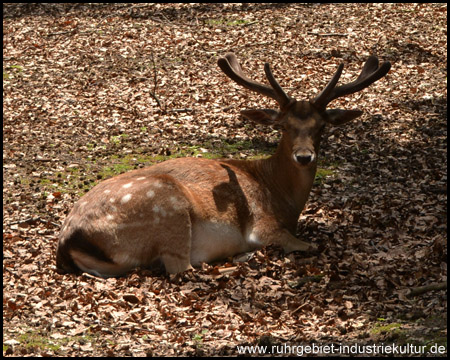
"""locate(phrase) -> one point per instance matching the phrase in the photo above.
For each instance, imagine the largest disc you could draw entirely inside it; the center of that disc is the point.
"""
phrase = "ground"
(94, 90)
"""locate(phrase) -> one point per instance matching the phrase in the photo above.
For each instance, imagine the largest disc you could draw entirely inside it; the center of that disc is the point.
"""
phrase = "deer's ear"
(261, 116)
(338, 117)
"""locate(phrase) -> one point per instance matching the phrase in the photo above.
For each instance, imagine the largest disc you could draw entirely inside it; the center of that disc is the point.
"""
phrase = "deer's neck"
(289, 183)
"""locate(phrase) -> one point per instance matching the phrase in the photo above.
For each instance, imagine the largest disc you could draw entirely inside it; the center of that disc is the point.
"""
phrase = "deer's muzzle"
(304, 156)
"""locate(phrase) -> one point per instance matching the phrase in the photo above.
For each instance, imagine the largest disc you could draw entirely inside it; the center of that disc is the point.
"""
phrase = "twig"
(93, 277)
(225, 270)
(423, 289)
(30, 221)
(48, 222)
(26, 221)
(251, 23)
(326, 34)
(155, 84)
(62, 32)
(180, 110)
(299, 308)
(307, 279)
(73, 31)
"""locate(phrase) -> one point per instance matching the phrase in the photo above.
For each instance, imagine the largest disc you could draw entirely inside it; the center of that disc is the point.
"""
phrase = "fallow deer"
(186, 211)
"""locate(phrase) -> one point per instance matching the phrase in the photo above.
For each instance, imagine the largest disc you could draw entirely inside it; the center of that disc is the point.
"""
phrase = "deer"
(187, 211)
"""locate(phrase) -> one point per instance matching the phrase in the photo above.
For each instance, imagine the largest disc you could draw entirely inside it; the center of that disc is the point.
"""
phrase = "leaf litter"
(92, 90)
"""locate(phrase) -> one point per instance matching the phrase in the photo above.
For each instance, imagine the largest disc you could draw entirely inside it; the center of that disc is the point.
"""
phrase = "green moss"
(385, 328)
(96, 168)
(45, 181)
(322, 174)
(407, 332)
(198, 338)
(37, 340)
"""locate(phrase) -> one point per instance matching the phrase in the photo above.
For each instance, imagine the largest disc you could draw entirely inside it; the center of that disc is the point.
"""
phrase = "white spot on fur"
(136, 224)
(125, 198)
(150, 194)
(112, 200)
(158, 184)
(126, 186)
(107, 191)
(176, 203)
(141, 178)
(109, 217)
(159, 210)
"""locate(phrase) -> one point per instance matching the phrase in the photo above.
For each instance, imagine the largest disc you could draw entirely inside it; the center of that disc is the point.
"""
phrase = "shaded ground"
(90, 91)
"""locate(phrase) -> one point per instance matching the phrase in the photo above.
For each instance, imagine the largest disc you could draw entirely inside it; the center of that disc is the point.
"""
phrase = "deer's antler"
(370, 73)
(230, 66)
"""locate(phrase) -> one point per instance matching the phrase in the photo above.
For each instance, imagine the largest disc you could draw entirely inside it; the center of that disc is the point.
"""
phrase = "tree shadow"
(141, 11)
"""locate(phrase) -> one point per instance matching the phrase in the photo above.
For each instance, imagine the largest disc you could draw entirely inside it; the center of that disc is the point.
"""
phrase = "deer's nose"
(304, 157)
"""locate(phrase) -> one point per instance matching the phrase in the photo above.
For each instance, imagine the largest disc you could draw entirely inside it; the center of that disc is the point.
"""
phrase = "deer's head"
(302, 122)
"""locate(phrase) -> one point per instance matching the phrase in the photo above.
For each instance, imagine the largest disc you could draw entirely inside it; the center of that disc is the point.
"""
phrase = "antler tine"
(369, 74)
(283, 98)
(231, 67)
(321, 100)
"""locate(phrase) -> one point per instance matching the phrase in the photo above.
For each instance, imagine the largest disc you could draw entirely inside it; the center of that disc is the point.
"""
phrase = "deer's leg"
(176, 243)
(265, 235)
(175, 264)
(291, 243)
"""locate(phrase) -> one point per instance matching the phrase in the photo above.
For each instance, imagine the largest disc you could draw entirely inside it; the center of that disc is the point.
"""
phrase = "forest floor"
(94, 90)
